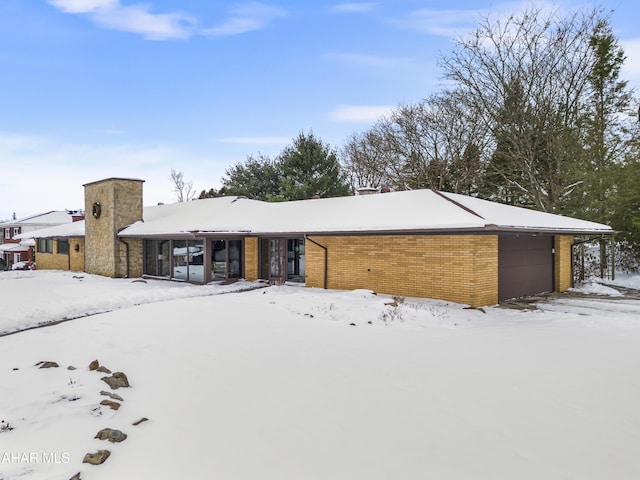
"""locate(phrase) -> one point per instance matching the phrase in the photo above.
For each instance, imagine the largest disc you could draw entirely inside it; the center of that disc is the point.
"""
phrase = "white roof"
(73, 229)
(54, 217)
(13, 247)
(406, 211)
(506, 216)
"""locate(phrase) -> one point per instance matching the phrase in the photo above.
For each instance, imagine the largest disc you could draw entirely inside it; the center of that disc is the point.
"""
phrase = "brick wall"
(121, 205)
(251, 258)
(74, 261)
(458, 268)
(52, 261)
(563, 274)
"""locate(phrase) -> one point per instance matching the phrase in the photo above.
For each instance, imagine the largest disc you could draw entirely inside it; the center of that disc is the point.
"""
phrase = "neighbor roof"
(66, 230)
(54, 217)
(393, 212)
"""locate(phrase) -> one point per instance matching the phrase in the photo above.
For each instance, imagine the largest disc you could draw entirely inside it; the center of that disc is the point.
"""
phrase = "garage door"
(525, 265)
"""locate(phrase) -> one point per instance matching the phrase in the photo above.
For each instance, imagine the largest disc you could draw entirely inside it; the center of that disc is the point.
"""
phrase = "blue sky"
(135, 88)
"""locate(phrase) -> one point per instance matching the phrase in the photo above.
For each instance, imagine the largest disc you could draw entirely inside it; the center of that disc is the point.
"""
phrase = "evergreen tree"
(309, 167)
(605, 125)
(257, 178)
(304, 169)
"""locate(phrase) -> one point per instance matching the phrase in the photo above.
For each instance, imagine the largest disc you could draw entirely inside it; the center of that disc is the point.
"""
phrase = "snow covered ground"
(295, 383)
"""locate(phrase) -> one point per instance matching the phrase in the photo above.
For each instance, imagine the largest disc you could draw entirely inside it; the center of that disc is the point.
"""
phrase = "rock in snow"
(117, 380)
(114, 436)
(96, 458)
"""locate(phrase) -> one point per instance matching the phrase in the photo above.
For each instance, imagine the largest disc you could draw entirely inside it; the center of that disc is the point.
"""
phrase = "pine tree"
(308, 168)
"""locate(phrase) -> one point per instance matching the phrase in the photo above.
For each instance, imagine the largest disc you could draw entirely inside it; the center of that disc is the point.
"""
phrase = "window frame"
(62, 251)
(44, 245)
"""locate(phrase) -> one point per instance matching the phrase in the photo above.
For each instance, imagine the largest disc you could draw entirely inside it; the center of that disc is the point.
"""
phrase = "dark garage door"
(525, 265)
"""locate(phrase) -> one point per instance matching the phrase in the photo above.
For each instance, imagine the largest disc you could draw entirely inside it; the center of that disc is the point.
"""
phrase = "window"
(7, 233)
(157, 258)
(188, 259)
(16, 231)
(226, 261)
(151, 257)
(63, 247)
(45, 245)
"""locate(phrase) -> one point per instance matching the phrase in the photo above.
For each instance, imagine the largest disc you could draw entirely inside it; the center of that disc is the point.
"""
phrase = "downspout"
(326, 259)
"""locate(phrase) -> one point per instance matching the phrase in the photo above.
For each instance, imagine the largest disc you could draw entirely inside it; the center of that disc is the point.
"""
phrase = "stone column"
(111, 205)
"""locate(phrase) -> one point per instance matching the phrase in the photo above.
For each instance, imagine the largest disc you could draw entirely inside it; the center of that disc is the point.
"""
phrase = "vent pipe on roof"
(366, 190)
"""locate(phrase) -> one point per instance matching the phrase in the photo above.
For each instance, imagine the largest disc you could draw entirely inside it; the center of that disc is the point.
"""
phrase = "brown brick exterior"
(121, 205)
(251, 258)
(562, 271)
(74, 261)
(458, 268)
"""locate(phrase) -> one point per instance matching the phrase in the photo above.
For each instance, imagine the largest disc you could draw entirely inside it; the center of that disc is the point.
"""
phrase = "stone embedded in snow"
(112, 396)
(96, 458)
(71, 367)
(94, 365)
(112, 405)
(76, 477)
(48, 364)
(103, 369)
(117, 380)
(114, 436)
(138, 422)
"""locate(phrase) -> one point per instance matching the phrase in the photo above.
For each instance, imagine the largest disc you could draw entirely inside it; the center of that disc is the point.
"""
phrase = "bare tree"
(184, 189)
(437, 143)
(526, 76)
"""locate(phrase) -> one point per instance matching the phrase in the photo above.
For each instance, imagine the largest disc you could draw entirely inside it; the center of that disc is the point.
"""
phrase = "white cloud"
(153, 26)
(631, 67)
(353, 7)
(135, 18)
(447, 23)
(84, 6)
(452, 23)
(138, 18)
(360, 113)
(57, 171)
(246, 18)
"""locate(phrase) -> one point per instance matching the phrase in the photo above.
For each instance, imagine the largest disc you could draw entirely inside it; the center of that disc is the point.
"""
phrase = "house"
(60, 247)
(17, 243)
(420, 243)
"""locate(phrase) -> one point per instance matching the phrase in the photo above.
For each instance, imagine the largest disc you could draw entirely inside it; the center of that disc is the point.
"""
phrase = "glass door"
(277, 258)
(273, 259)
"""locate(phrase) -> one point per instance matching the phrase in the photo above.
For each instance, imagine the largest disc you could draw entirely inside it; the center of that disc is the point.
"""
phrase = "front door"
(273, 261)
(277, 258)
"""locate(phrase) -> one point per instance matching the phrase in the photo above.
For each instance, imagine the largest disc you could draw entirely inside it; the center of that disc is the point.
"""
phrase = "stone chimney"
(76, 215)
(110, 205)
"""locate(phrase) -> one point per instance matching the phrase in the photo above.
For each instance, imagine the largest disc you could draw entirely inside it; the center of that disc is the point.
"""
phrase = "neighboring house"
(17, 243)
(420, 243)
(60, 247)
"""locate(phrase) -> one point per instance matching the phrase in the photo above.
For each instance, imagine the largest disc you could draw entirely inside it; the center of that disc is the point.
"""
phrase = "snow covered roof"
(13, 247)
(393, 212)
(54, 217)
(66, 230)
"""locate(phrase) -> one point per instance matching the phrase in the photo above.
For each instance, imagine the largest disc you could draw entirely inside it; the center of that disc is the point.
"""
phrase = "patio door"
(273, 261)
